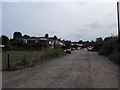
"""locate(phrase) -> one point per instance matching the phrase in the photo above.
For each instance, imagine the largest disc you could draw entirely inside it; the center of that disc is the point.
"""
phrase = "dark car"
(68, 50)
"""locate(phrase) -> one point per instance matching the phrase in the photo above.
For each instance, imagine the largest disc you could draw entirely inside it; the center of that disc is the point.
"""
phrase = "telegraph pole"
(118, 13)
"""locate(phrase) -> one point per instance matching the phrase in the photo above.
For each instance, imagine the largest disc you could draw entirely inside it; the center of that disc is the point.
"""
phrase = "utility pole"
(118, 13)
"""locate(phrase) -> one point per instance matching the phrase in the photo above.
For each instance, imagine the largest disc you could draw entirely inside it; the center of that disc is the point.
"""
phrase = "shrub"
(115, 57)
(97, 46)
(111, 49)
(107, 48)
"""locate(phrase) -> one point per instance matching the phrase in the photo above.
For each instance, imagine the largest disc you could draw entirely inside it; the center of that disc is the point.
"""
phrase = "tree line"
(16, 41)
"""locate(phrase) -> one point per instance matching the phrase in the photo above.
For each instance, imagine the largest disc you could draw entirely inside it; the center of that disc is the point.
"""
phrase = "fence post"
(8, 62)
(37, 55)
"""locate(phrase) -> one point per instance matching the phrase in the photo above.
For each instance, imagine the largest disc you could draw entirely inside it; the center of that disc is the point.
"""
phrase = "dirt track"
(81, 69)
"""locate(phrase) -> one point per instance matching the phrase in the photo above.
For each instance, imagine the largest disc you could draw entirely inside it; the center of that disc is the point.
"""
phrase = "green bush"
(115, 57)
(107, 48)
(111, 49)
(97, 46)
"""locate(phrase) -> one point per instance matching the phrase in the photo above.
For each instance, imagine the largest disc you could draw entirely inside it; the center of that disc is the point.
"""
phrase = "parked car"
(68, 50)
(73, 49)
(78, 48)
(90, 48)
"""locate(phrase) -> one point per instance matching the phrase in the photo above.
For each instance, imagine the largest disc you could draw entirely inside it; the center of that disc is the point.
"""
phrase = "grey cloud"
(76, 36)
(81, 3)
(82, 30)
(95, 24)
(112, 25)
(111, 13)
(66, 20)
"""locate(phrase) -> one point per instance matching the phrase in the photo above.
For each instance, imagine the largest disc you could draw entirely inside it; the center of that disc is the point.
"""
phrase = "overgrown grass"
(24, 59)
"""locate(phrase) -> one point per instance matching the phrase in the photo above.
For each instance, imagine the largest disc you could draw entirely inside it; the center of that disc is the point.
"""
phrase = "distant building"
(35, 43)
(41, 42)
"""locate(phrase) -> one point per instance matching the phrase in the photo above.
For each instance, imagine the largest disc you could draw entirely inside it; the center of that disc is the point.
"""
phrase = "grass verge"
(25, 59)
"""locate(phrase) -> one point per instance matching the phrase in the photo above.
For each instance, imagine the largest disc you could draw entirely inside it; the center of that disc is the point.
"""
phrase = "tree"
(26, 36)
(80, 42)
(5, 40)
(17, 35)
(98, 44)
(92, 43)
(17, 39)
(107, 38)
(99, 39)
(67, 43)
(46, 35)
(55, 37)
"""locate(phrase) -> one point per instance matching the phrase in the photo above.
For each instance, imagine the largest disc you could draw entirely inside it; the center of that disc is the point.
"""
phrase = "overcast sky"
(68, 20)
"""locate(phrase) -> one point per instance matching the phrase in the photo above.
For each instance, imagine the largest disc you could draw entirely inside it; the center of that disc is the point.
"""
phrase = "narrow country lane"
(81, 69)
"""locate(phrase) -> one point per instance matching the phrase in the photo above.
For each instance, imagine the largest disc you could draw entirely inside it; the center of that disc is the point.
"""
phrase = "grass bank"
(25, 59)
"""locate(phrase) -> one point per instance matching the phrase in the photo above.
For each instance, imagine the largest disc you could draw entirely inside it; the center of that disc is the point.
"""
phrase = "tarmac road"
(81, 69)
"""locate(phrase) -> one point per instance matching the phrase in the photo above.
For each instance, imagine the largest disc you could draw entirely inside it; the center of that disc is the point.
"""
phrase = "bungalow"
(35, 43)
(41, 42)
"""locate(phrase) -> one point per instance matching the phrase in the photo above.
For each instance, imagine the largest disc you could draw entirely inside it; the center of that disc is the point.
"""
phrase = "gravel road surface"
(81, 69)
